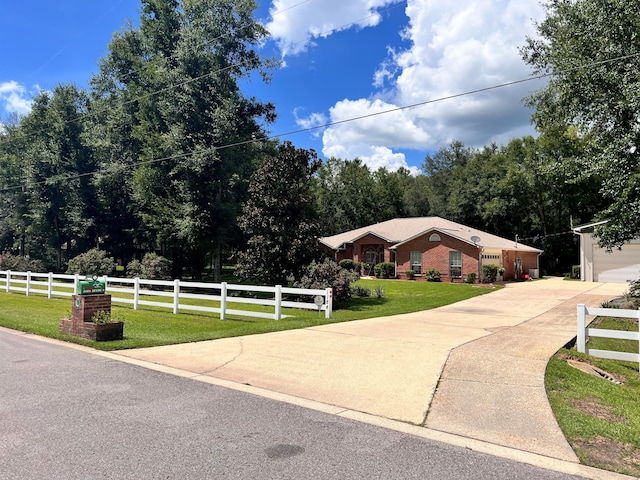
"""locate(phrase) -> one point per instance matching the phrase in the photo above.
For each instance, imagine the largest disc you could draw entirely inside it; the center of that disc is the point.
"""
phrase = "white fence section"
(584, 332)
(134, 291)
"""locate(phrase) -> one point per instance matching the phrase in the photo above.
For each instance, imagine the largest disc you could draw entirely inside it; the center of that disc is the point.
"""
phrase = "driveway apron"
(490, 351)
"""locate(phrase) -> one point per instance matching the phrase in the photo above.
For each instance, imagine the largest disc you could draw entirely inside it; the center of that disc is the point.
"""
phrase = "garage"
(616, 266)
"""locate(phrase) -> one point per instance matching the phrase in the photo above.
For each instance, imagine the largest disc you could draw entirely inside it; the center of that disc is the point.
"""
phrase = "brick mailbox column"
(85, 306)
(81, 324)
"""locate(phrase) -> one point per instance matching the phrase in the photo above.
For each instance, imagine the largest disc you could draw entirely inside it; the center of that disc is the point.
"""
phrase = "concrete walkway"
(489, 354)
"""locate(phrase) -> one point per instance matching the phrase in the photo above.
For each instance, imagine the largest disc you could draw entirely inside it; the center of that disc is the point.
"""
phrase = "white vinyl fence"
(584, 332)
(136, 291)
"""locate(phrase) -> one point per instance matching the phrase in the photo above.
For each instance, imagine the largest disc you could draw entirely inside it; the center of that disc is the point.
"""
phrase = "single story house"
(421, 243)
(597, 264)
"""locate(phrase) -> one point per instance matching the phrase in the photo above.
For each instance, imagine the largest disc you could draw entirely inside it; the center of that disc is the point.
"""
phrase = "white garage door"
(617, 266)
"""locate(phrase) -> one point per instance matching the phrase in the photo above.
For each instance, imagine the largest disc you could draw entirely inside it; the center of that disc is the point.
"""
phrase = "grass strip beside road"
(151, 326)
(599, 418)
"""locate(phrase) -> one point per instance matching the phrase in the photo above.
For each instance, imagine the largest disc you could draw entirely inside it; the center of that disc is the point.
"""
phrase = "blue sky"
(342, 60)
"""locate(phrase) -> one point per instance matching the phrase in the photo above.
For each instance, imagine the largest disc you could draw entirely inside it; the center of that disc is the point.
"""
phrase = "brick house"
(421, 243)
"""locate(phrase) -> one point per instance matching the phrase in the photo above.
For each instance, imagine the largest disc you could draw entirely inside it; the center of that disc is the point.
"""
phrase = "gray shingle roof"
(400, 230)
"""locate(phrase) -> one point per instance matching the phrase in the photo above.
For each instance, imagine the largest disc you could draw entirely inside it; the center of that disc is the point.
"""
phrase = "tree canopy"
(592, 50)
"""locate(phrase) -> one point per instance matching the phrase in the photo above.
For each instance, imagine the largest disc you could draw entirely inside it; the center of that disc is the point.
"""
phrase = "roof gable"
(402, 230)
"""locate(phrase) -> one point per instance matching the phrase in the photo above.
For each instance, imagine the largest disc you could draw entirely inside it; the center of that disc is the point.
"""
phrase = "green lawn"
(151, 326)
(600, 419)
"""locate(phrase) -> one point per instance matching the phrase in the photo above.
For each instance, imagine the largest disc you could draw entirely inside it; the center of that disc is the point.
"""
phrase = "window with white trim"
(455, 264)
(416, 261)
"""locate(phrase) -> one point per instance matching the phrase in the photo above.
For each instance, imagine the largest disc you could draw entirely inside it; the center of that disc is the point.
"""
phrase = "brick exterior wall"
(358, 250)
(529, 261)
(436, 255)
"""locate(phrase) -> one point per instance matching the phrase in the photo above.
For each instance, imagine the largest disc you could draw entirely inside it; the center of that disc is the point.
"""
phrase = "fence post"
(105, 279)
(136, 292)
(50, 285)
(278, 314)
(329, 310)
(176, 296)
(223, 300)
(581, 338)
(8, 281)
(76, 280)
(28, 285)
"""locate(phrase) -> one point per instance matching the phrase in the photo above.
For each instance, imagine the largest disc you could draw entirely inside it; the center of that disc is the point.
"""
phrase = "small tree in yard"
(328, 274)
(152, 267)
(20, 263)
(93, 262)
(279, 218)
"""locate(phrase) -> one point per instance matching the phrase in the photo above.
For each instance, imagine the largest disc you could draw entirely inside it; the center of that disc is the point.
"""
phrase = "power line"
(351, 119)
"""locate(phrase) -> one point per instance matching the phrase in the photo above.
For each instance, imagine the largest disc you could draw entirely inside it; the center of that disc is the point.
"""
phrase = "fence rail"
(133, 291)
(584, 332)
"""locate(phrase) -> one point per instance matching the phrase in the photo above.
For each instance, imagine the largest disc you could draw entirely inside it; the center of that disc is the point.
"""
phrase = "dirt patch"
(609, 455)
(592, 407)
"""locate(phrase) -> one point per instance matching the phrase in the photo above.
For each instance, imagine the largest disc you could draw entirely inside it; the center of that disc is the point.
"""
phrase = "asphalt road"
(68, 414)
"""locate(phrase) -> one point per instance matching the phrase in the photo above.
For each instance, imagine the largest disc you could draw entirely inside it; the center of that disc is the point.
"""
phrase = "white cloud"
(313, 121)
(14, 98)
(455, 47)
(294, 26)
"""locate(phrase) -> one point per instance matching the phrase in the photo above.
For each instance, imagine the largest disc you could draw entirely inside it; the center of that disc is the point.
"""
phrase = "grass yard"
(601, 419)
(152, 326)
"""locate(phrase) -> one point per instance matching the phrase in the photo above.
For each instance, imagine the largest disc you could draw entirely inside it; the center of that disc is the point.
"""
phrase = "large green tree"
(279, 218)
(177, 76)
(591, 48)
(55, 206)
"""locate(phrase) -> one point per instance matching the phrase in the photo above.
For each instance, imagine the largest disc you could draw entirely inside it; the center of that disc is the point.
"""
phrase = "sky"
(385, 81)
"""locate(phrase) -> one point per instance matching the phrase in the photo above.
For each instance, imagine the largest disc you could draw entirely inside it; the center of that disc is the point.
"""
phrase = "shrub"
(328, 274)
(633, 294)
(93, 262)
(471, 277)
(349, 264)
(385, 270)
(379, 291)
(432, 275)
(489, 273)
(358, 291)
(410, 274)
(152, 267)
(575, 272)
(20, 264)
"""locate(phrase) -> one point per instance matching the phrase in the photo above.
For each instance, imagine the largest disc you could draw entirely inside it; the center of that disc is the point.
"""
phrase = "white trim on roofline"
(444, 231)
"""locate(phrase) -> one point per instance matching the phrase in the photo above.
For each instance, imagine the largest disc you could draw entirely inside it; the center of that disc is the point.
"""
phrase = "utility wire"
(351, 119)
(347, 120)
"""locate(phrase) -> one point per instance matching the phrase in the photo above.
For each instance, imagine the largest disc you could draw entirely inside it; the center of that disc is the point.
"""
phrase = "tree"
(279, 218)
(344, 191)
(176, 77)
(591, 48)
(59, 204)
(442, 169)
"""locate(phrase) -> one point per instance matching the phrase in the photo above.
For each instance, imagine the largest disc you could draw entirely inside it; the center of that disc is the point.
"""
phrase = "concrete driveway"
(490, 351)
